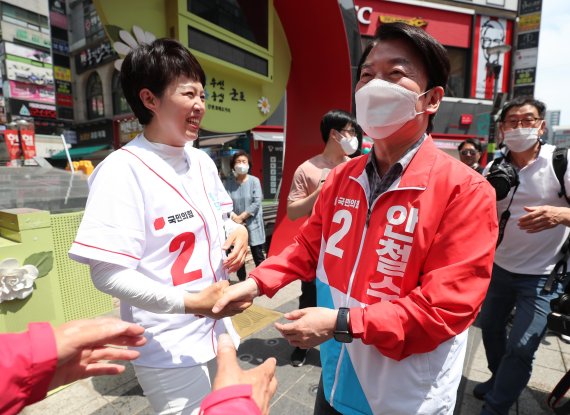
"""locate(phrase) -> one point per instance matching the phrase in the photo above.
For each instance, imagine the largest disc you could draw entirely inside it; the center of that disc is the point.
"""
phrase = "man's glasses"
(468, 152)
(526, 122)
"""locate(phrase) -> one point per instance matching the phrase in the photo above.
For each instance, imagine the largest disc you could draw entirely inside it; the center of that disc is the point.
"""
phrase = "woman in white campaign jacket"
(153, 230)
(401, 245)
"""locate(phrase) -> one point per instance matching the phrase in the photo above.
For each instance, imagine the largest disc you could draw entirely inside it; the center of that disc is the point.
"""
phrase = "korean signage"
(128, 129)
(62, 74)
(526, 56)
(101, 131)
(219, 96)
(32, 109)
(272, 168)
(60, 46)
(490, 32)
(12, 140)
(529, 22)
(26, 52)
(64, 100)
(25, 72)
(525, 76)
(32, 92)
(530, 6)
(527, 40)
(62, 87)
(94, 56)
(12, 32)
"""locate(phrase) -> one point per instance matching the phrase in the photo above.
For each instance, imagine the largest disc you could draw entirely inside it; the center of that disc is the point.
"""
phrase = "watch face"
(343, 337)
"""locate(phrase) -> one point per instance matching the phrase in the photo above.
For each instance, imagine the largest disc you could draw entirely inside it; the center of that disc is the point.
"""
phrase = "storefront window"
(120, 104)
(458, 72)
(94, 97)
(245, 18)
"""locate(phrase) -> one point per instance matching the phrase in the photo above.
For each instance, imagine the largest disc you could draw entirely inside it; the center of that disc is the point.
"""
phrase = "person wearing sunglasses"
(528, 251)
(470, 153)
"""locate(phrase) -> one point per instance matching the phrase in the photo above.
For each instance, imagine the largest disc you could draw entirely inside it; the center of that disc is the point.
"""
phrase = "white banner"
(22, 72)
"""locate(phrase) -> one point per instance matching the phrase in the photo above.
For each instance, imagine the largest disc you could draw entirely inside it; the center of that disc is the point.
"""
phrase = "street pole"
(494, 69)
(491, 142)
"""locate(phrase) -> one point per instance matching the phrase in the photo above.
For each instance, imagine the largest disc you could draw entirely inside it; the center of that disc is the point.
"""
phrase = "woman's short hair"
(155, 66)
(237, 154)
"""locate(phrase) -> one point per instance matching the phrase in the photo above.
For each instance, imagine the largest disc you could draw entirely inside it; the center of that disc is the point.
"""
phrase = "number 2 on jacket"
(186, 241)
(345, 217)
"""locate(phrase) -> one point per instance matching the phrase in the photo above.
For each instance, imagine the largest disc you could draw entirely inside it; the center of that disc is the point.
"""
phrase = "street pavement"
(122, 395)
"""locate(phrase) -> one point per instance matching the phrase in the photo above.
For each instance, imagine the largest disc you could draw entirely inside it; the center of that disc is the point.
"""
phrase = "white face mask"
(382, 107)
(520, 139)
(241, 168)
(349, 144)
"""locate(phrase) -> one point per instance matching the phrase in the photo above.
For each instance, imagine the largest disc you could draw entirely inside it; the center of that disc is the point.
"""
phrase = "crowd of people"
(390, 286)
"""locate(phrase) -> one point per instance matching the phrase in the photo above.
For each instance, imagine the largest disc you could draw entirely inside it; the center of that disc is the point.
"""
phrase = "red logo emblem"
(159, 224)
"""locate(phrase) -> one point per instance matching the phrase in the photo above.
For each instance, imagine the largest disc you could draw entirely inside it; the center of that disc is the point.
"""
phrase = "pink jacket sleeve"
(27, 363)
(235, 400)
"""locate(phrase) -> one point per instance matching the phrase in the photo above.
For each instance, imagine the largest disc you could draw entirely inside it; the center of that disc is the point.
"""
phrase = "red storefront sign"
(28, 144)
(64, 100)
(13, 144)
(451, 28)
(42, 110)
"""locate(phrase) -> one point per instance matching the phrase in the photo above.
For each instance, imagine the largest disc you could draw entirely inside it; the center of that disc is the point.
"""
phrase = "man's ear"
(434, 98)
(148, 99)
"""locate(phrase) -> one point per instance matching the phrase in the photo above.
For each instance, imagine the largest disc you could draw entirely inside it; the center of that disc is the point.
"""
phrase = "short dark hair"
(523, 100)
(336, 120)
(237, 154)
(432, 53)
(155, 66)
(365, 54)
(475, 143)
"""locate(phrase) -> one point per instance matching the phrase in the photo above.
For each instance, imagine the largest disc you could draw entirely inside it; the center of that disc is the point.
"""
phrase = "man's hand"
(261, 378)
(541, 218)
(201, 303)
(82, 348)
(311, 327)
(237, 240)
(236, 296)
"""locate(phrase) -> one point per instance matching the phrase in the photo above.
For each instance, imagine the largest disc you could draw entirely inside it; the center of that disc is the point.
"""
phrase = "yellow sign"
(62, 74)
(232, 92)
(415, 21)
(529, 22)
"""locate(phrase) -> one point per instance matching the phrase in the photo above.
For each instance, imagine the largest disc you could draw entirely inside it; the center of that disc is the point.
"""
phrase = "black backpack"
(560, 163)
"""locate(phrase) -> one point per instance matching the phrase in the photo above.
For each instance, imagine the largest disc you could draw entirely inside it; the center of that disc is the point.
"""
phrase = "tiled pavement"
(121, 395)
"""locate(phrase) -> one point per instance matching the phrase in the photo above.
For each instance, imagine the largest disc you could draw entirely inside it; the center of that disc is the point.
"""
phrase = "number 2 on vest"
(186, 241)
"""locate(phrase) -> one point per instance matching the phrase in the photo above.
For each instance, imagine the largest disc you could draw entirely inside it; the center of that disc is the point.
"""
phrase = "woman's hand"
(237, 241)
(201, 303)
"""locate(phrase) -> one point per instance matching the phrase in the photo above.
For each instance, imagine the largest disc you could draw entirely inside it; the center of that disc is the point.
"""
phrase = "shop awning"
(78, 152)
(217, 140)
(267, 136)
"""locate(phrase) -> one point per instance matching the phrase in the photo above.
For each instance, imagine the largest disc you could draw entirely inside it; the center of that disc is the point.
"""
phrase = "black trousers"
(258, 258)
(308, 296)
(322, 407)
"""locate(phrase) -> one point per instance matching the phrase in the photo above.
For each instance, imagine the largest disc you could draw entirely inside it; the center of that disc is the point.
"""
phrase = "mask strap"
(423, 93)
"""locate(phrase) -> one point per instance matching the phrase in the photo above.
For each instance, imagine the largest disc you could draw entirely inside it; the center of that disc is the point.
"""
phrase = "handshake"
(308, 328)
(222, 300)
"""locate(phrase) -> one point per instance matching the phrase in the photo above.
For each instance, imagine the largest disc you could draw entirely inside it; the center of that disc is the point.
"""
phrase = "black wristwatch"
(341, 331)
